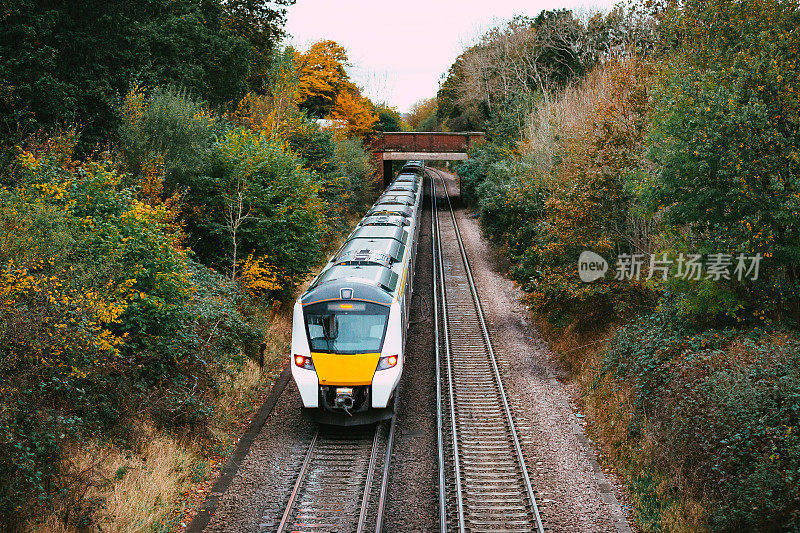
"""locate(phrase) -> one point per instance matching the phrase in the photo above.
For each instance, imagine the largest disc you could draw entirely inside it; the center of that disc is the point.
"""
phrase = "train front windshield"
(346, 326)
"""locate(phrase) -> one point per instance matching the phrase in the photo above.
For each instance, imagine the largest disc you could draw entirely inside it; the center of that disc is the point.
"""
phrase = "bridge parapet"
(423, 141)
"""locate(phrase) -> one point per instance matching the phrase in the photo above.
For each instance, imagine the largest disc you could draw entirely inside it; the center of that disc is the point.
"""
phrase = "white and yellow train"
(349, 327)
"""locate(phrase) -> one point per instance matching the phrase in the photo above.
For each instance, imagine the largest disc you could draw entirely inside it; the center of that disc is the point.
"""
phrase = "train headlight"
(387, 362)
(304, 362)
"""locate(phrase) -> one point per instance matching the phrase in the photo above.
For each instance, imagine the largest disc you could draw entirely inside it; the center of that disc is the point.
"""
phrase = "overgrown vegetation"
(663, 131)
(152, 237)
(65, 63)
(105, 320)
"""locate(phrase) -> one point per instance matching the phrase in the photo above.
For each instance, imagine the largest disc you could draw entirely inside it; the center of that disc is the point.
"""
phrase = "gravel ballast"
(414, 482)
(266, 476)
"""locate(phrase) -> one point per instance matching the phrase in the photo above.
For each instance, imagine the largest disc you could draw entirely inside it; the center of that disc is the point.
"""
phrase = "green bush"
(721, 408)
(168, 124)
(509, 198)
(355, 163)
(103, 319)
(343, 169)
(264, 187)
(474, 170)
(316, 149)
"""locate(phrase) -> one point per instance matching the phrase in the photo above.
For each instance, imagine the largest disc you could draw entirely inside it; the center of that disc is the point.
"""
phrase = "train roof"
(380, 232)
(368, 256)
(384, 220)
(391, 210)
(395, 200)
(412, 170)
(392, 248)
(409, 195)
(366, 282)
(370, 262)
(400, 191)
(406, 186)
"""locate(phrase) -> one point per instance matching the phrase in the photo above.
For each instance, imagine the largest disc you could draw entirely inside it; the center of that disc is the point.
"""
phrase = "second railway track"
(484, 482)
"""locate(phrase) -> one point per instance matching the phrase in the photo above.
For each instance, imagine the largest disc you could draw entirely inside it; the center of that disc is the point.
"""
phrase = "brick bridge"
(430, 146)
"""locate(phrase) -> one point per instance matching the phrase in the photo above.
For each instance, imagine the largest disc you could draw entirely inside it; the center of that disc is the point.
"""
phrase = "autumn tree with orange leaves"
(326, 91)
(355, 114)
(322, 77)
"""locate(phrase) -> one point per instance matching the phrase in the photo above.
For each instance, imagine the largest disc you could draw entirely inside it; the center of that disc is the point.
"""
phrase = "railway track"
(483, 480)
(336, 489)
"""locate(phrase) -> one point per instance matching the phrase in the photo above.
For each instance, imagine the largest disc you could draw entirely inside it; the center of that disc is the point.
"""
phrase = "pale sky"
(399, 50)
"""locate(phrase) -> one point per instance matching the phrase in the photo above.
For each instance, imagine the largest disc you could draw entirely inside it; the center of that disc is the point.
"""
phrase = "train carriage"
(349, 327)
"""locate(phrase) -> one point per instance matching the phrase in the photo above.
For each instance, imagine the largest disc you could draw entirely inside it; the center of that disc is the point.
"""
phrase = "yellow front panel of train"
(345, 369)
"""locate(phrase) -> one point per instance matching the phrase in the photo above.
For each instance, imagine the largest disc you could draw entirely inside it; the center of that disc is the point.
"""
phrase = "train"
(349, 329)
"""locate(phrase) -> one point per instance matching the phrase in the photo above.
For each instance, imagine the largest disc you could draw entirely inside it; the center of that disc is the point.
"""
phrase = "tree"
(166, 124)
(389, 119)
(64, 62)
(277, 110)
(422, 116)
(325, 90)
(257, 196)
(492, 84)
(322, 77)
(450, 111)
(355, 113)
(589, 205)
(261, 24)
(726, 135)
(235, 216)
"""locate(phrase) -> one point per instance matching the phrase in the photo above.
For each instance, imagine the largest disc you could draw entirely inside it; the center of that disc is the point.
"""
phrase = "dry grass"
(143, 499)
(238, 386)
(137, 490)
(578, 350)
(581, 352)
(239, 394)
(689, 517)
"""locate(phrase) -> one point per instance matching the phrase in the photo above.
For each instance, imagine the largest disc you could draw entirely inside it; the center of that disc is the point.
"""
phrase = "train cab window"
(345, 326)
